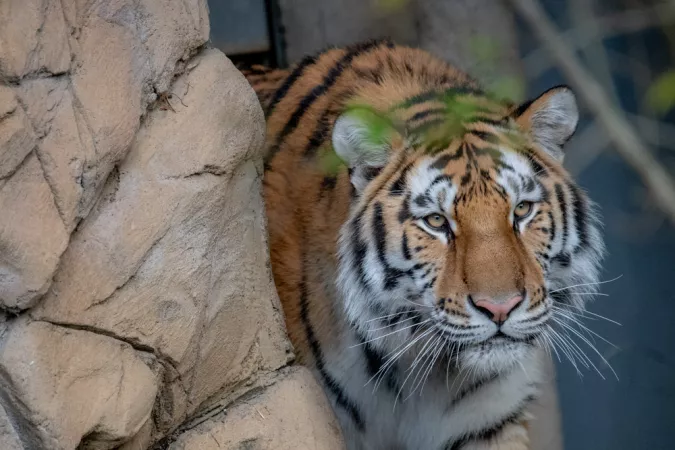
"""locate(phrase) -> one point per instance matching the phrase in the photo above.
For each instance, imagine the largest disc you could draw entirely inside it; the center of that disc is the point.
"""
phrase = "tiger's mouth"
(500, 336)
(503, 344)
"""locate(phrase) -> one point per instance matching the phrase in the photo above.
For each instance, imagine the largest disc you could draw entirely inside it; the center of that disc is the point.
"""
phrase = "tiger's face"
(475, 244)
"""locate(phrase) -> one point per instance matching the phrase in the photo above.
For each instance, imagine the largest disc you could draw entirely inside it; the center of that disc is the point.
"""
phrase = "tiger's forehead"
(444, 115)
(465, 173)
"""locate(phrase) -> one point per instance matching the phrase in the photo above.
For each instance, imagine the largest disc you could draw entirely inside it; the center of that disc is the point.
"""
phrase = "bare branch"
(619, 130)
(615, 24)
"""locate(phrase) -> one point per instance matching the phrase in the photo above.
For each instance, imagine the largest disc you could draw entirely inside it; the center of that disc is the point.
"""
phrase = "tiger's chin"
(496, 355)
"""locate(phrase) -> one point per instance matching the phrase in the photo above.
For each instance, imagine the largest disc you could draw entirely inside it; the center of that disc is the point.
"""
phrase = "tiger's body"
(412, 281)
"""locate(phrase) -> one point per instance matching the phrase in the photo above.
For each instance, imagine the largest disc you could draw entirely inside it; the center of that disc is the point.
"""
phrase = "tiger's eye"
(523, 209)
(436, 221)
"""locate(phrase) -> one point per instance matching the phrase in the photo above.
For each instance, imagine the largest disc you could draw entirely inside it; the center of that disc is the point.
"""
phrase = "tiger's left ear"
(364, 140)
(550, 119)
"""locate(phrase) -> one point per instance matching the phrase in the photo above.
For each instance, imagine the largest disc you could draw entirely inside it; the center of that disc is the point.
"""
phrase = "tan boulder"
(32, 236)
(16, 134)
(173, 256)
(33, 38)
(65, 145)
(143, 43)
(292, 414)
(71, 386)
(79, 119)
(10, 439)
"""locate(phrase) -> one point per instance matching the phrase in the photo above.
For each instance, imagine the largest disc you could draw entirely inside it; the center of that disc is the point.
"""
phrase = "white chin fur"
(494, 357)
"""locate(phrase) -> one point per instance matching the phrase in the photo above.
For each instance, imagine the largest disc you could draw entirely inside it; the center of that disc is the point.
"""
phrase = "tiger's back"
(345, 278)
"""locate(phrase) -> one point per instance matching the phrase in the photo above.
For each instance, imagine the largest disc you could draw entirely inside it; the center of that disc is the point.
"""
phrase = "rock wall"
(136, 299)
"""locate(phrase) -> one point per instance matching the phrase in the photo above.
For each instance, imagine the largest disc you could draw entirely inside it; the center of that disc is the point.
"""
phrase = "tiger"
(423, 237)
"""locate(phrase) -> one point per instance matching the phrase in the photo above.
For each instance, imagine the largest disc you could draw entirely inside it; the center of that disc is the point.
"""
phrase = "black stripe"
(521, 109)
(341, 399)
(564, 259)
(534, 318)
(553, 228)
(581, 226)
(512, 418)
(545, 193)
(422, 200)
(398, 187)
(399, 315)
(426, 126)
(290, 80)
(486, 121)
(404, 212)
(442, 162)
(466, 178)
(371, 74)
(491, 432)
(328, 183)
(419, 98)
(560, 196)
(537, 166)
(369, 173)
(375, 361)
(391, 274)
(441, 179)
(404, 246)
(328, 81)
(485, 136)
(530, 185)
(360, 248)
(425, 113)
(563, 297)
(471, 389)
(318, 136)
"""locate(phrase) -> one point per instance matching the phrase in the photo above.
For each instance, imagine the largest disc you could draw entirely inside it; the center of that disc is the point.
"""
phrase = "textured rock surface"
(33, 38)
(135, 288)
(282, 417)
(77, 108)
(32, 235)
(9, 436)
(70, 384)
(166, 260)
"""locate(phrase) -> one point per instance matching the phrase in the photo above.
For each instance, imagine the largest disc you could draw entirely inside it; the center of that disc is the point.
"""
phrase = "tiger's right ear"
(363, 139)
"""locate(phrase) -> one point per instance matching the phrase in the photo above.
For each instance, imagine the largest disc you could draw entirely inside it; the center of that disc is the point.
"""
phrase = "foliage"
(660, 96)
(391, 5)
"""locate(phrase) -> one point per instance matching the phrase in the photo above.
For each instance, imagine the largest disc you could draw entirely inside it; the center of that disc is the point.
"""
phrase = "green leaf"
(660, 95)
(485, 49)
(508, 88)
(391, 5)
(380, 127)
(329, 162)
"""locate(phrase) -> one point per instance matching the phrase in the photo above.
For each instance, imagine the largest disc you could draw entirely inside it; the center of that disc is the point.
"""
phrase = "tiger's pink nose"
(498, 312)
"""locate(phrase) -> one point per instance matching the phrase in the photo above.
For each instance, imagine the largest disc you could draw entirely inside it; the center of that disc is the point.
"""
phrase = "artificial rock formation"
(136, 296)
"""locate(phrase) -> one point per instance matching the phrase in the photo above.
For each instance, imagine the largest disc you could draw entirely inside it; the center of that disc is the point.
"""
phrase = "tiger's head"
(464, 226)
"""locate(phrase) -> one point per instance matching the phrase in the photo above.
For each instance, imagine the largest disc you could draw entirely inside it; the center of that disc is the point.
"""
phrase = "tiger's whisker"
(586, 284)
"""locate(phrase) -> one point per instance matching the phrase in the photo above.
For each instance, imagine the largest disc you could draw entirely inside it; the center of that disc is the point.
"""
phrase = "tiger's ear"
(363, 139)
(551, 119)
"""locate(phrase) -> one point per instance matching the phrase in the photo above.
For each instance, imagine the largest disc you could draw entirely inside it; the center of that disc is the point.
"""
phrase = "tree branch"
(619, 130)
(615, 24)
